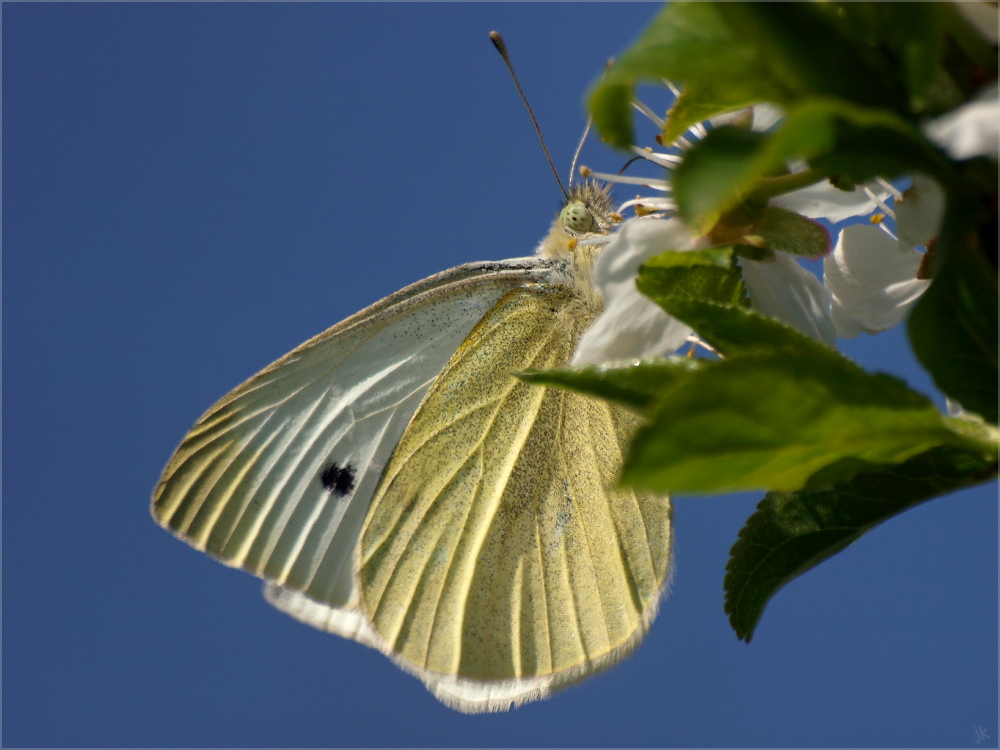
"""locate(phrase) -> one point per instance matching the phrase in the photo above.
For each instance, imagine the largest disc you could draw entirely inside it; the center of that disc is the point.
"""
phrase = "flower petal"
(919, 212)
(872, 281)
(632, 325)
(637, 241)
(785, 290)
(824, 201)
(761, 117)
(766, 116)
(970, 130)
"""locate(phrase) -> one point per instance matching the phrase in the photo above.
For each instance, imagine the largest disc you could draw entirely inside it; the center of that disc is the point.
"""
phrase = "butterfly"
(393, 482)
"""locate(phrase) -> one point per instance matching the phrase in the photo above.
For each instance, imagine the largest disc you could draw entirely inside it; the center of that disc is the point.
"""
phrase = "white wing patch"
(346, 622)
(277, 477)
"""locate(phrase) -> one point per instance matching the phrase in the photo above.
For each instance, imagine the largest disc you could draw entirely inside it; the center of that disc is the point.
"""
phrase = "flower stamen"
(649, 182)
(879, 202)
(667, 161)
(653, 117)
(893, 190)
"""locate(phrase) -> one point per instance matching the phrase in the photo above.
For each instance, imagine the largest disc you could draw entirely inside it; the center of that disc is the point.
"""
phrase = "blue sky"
(190, 191)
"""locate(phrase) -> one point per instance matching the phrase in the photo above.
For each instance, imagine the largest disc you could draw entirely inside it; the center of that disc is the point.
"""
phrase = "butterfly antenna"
(502, 49)
(579, 148)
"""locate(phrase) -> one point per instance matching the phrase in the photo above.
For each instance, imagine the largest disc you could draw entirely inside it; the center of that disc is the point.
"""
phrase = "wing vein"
(623, 557)
(274, 493)
(631, 493)
(451, 560)
(545, 592)
(526, 432)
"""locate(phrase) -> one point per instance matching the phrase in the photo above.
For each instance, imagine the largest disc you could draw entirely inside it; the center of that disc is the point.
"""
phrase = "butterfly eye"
(577, 217)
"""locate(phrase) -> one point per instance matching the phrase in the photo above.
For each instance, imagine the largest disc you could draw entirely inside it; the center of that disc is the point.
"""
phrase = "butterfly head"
(576, 217)
(588, 212)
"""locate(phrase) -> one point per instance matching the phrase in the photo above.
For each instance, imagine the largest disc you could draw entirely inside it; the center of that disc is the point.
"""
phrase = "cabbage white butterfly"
(393, 482)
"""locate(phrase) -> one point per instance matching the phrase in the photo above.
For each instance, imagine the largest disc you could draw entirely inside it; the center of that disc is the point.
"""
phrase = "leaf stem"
(769, 187)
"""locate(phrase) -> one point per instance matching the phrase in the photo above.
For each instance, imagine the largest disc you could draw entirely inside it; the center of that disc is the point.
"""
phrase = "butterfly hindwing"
(345, 620)
(498, 561)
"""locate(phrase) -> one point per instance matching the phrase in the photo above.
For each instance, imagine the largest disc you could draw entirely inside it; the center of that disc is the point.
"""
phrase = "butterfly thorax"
(587, 213)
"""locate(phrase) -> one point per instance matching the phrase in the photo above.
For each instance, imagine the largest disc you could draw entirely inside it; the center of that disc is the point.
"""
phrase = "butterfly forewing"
(498, 561)
(277, 477)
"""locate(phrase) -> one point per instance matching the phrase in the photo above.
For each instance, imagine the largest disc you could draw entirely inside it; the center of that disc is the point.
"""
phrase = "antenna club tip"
(498, 42)
(585, 171)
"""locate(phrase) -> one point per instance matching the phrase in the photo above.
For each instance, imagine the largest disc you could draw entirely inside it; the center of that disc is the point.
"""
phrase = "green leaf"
(699, 101)
(791, 533)
(915, 32)
(733, 54)
(870, 143)
(813, 53)
(610, 105)
(734, 331)
(685, 43)
(771, 421)
(789, 232)
(905, 58)
(757, 232)
(978, 58)
(635, 385)
(953, 330)
(752, 252)
(699, 274)
(914, 40)
(713, 257)
(715, 173)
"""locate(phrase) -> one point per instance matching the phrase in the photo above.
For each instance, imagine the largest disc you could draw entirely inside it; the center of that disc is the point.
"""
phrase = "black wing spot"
(338, 480)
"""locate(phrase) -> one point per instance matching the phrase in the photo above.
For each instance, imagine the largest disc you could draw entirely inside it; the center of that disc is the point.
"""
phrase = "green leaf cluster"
(839, 449)
(904, 59)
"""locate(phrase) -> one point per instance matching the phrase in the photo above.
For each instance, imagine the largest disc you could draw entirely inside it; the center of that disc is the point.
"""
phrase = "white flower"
(970, 130)
(869, 280)
(871, 276)
(632, 325)
(783, 289)
(872, 281)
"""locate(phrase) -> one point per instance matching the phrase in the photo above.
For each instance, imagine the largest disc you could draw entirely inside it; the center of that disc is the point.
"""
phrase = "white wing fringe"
(464, 694)
(343, 621)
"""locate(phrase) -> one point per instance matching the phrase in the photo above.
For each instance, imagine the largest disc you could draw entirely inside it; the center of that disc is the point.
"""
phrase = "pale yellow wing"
(498, 562)
(276, 478)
